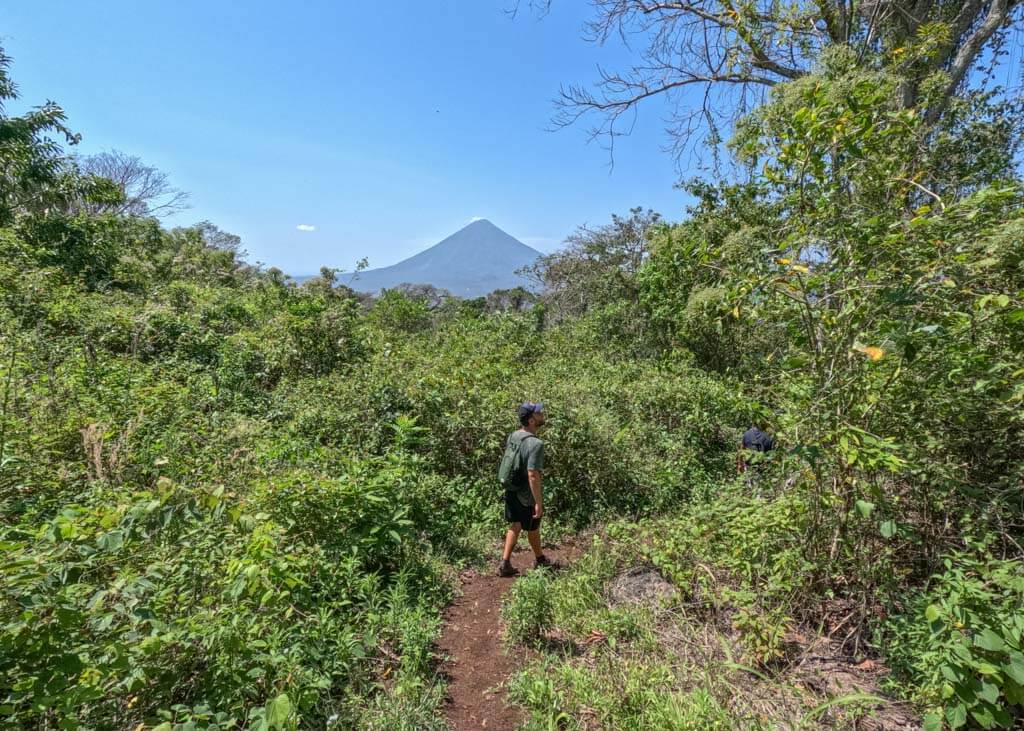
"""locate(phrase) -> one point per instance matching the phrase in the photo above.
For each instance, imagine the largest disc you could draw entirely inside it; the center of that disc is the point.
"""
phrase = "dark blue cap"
(529, 407)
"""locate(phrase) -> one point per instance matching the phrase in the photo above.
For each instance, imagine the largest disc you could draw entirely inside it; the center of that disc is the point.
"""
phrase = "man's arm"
(538, 494)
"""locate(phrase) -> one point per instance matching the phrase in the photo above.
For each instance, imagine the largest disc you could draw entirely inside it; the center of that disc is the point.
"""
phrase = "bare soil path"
(478, 665)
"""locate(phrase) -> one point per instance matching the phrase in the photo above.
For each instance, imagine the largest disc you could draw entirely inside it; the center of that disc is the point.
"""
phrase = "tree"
(216, 238)
(890, 309)
(515, 299)
(432, 297)
(714, 60)
(395, 310)
(684, 294)
(596, 267)
(34, 175)
(145, 190)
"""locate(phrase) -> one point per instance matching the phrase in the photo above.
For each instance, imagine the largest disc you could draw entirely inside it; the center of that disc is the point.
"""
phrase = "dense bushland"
(224, 496)
(865, 286)
(862, 287)
(228, 501)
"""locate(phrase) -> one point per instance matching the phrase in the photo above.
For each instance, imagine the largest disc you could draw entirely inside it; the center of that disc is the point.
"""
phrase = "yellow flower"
(871, 351)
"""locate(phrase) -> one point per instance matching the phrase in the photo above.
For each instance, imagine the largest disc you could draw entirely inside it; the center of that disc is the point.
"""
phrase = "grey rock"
(641, 585)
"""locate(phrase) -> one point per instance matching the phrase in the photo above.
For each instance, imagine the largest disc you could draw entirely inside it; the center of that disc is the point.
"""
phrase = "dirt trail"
(478, 666)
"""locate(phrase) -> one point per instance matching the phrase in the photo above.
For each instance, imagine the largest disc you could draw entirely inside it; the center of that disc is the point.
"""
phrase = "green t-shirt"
(532, 452)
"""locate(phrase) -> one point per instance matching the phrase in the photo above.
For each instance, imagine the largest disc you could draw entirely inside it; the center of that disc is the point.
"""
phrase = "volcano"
(472, 262)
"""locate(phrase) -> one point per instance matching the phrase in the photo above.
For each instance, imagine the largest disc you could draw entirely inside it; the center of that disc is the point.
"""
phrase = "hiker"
(520, 475)
(754, 440)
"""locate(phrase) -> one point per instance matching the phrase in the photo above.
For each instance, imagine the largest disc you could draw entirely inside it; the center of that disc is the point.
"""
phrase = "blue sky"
(386, 126)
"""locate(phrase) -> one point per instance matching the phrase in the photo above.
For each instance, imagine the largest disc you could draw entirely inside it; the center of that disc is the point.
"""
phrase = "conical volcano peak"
(475, 260)
(483, 237)
(479, 226)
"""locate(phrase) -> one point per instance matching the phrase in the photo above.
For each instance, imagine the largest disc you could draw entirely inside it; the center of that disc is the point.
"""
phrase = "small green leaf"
(864, 508)
(279, 711)
(989, 640)
(966, 695)
(983, 715)
(951, 673)
(932, 612)
(1002, 717)
(1014, 667)
(1013, 691)
(888, 528)
(111, 542)
(989, 692)
(933, 722)
(956, 716)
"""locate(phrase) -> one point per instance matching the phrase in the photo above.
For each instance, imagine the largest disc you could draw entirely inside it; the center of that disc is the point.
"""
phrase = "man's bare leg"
(510, 540)
(533, 536)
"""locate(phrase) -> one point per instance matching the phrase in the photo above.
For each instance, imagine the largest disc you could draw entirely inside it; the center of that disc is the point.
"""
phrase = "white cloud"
(476, 218)
(306, 227)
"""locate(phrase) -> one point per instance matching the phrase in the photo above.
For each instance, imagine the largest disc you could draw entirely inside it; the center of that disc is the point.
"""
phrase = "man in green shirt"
(524, 503)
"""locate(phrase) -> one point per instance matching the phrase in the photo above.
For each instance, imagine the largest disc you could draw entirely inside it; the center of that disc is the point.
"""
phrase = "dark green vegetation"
(228, 501)
(864, 289)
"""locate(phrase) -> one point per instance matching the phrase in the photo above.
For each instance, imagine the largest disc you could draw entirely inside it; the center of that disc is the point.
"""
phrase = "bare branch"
(925, 191)
(145, 190)
(998, 14)
(739, 49)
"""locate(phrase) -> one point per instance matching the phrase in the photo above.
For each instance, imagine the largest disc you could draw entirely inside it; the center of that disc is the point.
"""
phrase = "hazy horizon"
(427, 246)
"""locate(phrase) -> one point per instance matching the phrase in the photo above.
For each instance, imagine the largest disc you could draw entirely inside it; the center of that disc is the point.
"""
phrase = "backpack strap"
(526, 436)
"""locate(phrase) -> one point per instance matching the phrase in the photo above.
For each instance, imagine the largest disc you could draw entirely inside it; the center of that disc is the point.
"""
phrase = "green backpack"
(512, 471)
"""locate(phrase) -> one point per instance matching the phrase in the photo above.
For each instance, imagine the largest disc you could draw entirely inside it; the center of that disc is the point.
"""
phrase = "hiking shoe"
(506, 569)
(543, 560)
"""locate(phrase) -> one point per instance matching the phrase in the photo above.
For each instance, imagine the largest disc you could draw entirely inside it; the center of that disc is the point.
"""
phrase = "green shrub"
(739, 553)
(616, 693)
(361, 512)
(314, 336)
(757, 543)
(122, 607)
(958, 646)
(528, 611)
(397, 312)
(246, 374)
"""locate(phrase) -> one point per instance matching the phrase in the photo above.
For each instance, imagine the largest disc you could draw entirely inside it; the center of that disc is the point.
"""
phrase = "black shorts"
(516, 512)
